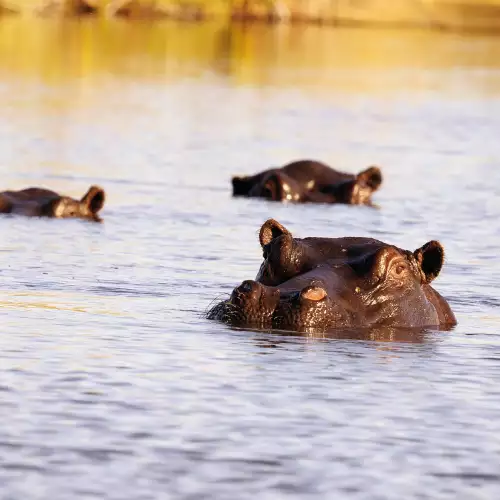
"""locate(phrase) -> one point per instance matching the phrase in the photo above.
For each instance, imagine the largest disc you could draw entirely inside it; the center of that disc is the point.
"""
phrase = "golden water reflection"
(59, 301)
(349, 59)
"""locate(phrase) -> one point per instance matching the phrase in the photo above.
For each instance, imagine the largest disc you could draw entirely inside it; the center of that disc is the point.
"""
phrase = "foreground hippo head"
(38, 202)
(320, 284)
(310, 181)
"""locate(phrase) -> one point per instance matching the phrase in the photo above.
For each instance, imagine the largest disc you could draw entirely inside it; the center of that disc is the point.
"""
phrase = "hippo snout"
(249, 290)
(255, 297)
(251, 303)
(309, 307)
(258, 304)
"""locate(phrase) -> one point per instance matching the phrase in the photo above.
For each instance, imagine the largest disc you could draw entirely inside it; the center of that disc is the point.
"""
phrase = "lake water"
(114, 386)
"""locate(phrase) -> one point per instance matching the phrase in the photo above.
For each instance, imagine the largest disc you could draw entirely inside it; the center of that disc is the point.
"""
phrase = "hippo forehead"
(358, 253)
(315, 251)
(349, 258)
(343, 248)
(64, 205)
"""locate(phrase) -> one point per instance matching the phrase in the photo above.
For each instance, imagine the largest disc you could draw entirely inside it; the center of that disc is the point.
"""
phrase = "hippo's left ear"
(430, 260)
(94, 199)
(270, 230)
(372, 176)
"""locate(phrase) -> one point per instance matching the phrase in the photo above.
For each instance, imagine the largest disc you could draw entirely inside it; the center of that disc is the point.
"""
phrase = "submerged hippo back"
(310, 173)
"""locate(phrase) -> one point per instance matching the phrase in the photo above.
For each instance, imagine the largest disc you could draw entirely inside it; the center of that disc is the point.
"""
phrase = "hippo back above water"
(310, 181)
(39, 202)
(320, 284)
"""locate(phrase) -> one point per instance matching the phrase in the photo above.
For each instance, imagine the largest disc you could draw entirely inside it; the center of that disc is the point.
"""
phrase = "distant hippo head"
(310, 181)
(86, 208)
(41, 202)
(327, 283)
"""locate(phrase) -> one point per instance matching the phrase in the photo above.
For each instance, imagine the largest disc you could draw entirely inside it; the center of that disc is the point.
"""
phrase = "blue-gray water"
(114, 386)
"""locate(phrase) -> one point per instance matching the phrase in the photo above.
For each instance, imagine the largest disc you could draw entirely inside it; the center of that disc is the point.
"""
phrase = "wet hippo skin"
(320, 284)
(39, 202)
(310, 181)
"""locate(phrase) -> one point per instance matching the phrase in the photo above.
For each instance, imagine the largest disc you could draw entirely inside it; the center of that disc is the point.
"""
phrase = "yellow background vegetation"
(465, 14)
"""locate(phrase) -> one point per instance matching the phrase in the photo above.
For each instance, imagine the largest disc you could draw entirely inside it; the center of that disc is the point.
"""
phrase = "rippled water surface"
(113, 385)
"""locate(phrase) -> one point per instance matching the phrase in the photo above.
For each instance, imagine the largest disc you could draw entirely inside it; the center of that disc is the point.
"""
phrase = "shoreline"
(444, 15)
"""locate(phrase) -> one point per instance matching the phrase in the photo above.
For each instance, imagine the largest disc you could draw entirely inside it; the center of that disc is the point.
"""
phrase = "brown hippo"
(39, 202)
(136, 9)
(5, 11)
(153, 9)
(68, 8)
(320, 284)
(261, 10)
(310, 181)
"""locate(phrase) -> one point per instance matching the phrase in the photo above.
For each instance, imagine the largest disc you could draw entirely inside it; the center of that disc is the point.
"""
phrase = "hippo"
(6, 11)
(136, 9)
(310, 181)
(68, 8)
(39, 202)
(323, 284)
(148, 9)
(270, 10)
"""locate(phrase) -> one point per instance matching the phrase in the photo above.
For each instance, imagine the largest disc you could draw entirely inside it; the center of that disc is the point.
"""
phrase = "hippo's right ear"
(372, 176)
(94, 199)
(430, 260)
(270, 230)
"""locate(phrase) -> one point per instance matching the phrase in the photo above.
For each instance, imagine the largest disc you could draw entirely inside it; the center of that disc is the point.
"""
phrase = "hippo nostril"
(314, 293)
(250, 289)
(246, 286)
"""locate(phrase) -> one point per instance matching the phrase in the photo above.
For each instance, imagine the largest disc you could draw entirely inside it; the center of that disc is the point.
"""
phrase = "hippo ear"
(94, 199)
(272, 188)
(372, 177)
(430, 260)
(270, 230)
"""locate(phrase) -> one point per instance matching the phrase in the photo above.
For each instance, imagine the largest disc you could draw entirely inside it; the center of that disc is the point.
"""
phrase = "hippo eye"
(399, 270)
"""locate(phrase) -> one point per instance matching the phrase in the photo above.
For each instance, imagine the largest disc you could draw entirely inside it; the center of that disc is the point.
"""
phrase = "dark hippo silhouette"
(68, 8)
(327, 283)
(310, 181)
(39, 202)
